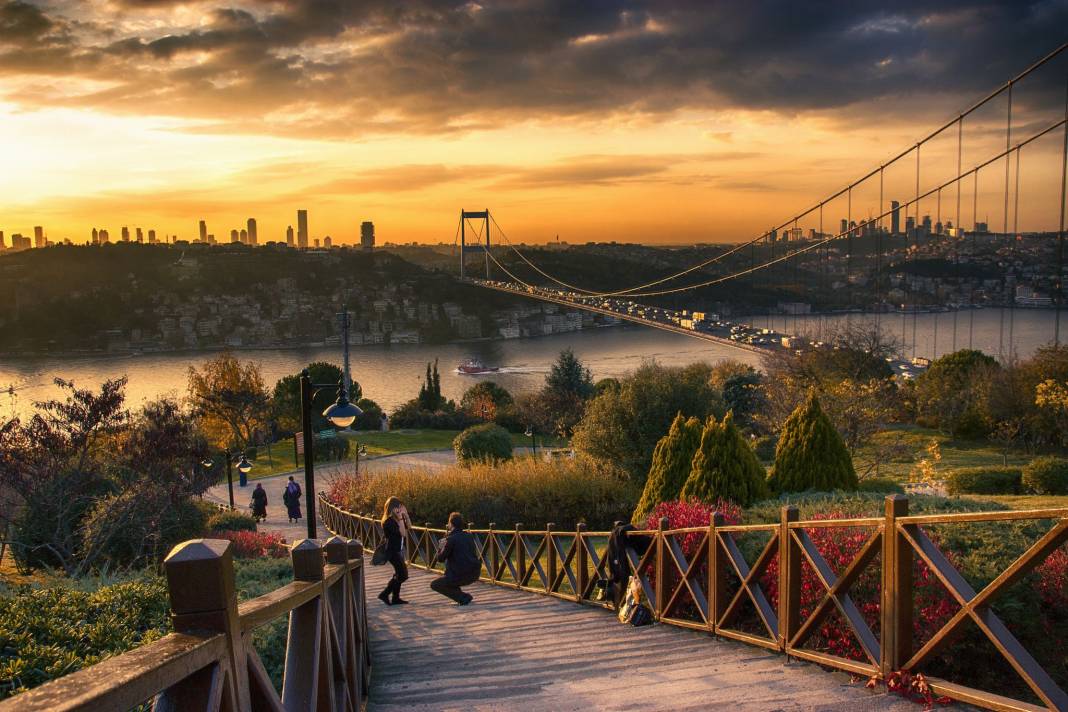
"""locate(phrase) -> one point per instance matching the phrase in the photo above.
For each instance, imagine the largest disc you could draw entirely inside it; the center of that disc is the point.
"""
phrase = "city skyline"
(220, 111)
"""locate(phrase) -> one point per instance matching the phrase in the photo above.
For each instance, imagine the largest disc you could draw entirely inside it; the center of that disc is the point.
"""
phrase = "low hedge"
(487, 442)
(884, 485)
(985, 480)
(231, 521)
(1046, 475)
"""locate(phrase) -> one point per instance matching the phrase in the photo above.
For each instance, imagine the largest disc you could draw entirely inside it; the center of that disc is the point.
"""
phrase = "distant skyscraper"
(367, 235)
(203, 231)
(96, 237)
(243, 236)
(252, 239)
(235, 236)
(211, 238)
(910, 226)
(140, 235)
(38, 236)
(328, 242)
(289, 235)
(895, 217)
(151, 237)
(302, 228)
(125, 234)
(773, 235)
(843, 227)
(2, 239)
(104, 237)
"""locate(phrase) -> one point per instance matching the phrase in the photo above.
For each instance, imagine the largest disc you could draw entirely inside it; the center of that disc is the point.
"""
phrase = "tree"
(568, 377)
(229, 399)
(485, 399)
(671, 464)
(954, 393)
(1051, 397)
(811, 454)
(285, 400)
(725, 467)
(622, 427)
(480, 443)
(430, 397)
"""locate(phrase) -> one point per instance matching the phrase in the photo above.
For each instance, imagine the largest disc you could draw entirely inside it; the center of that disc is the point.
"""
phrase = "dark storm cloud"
(337, 68)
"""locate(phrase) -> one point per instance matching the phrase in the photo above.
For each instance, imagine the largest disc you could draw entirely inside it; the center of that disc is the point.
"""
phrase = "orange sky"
(600, 127)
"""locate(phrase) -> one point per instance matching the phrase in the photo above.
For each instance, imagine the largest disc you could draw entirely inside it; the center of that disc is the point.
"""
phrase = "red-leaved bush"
(256, 545)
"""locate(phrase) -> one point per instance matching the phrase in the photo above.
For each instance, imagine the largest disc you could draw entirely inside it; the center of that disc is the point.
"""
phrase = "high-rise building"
(203, 231)
(1, 239)
(328, 242)
(96, 237)
(302, 228)
(289, 235)
(140, 235)
(211, 238)
(243, 236)
(38, 236)
(773, 235)
(235, 236)
(18, 242)
(152, 237)
(252, 238)
(367, 235)
(843, 227)
(104, 236)
(895, 217)
(125, 234)
(910, 226)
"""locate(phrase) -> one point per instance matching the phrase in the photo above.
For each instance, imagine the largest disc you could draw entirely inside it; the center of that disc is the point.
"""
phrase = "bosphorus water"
(391, 375)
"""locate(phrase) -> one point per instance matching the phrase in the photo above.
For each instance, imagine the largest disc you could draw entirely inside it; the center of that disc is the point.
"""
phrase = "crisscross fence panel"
(746, 582)
(209, 662)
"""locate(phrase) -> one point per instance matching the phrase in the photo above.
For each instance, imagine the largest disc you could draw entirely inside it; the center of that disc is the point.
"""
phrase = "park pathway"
(513, 650)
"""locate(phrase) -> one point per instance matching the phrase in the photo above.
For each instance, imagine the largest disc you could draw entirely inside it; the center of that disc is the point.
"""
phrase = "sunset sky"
(669, 122)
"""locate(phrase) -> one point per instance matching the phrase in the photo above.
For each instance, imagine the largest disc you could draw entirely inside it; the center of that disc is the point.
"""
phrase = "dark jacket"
(259, 496)
(619, 541)
(460, 555)
(393, 536)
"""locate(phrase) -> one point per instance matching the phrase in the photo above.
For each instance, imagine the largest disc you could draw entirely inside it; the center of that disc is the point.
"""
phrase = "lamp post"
(243, 468)
(533, 442)
(341, 413)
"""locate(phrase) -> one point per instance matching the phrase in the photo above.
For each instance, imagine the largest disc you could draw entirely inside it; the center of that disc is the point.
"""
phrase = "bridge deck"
(513, 650)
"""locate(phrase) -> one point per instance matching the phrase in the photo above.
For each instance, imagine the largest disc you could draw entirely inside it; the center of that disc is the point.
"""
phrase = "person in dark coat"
(395, 526)
(259, 503)
(462, 565)
(619, 567)
(291, 497)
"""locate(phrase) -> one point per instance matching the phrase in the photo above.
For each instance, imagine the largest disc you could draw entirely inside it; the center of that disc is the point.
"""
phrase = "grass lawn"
(1024, 501)
(895, 451)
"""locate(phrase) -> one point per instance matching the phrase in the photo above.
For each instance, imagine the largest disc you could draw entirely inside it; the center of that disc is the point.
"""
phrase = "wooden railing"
(209, 662)
(695, 592)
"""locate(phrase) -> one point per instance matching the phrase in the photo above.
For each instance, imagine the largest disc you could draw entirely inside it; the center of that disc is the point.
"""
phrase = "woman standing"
(395, 524)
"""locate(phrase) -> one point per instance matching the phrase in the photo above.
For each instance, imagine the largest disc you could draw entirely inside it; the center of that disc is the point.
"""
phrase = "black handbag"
(381, 554)
(641, 616)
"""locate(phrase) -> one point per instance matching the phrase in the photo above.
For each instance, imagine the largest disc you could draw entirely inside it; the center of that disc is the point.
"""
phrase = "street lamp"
(341, 413)
(243, 467)
(533, 442)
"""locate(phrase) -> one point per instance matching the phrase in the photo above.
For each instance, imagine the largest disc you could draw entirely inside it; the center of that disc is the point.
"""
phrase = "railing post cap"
(355, 548)
(717, 519)
(200, 576)
(897, 505)
(307, 557)
(336, 550)
(790, 512)
(663, 523)
(549, 525)
(518, 526)
(492, 525)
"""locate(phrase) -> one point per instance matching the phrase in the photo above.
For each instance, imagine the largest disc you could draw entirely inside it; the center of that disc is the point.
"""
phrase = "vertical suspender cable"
(1060, 232)
(938, 222)
(916, 240)
(975, 227)
(1005, 224)
(956, 221)
(879, 255)
(823, 279)
(1012, 255)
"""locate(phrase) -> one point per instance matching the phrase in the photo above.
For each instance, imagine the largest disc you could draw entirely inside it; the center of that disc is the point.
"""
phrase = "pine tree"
(725, 467)
(671, 465)
(811, 455)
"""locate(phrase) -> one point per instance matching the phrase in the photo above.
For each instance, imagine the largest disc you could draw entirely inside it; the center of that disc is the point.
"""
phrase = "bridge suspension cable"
(639, 290)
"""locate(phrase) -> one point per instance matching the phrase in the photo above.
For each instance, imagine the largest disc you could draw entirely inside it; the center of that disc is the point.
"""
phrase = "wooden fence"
(209, 662)
(708, 590)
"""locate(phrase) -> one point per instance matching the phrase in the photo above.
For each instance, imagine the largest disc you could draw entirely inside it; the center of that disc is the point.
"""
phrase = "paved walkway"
(512, 650)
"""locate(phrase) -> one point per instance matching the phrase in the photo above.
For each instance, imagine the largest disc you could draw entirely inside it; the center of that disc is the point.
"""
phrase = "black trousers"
(400, 574)
(450, 587)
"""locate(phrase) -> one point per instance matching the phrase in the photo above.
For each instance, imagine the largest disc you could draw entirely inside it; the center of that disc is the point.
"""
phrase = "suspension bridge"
(875, 258)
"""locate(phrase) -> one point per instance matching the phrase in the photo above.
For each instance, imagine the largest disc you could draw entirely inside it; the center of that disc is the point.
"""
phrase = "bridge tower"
(484, 216)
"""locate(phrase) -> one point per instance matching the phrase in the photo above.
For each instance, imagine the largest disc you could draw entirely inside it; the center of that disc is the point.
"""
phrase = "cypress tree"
(725, 467)
(811, 455)
(671, 465)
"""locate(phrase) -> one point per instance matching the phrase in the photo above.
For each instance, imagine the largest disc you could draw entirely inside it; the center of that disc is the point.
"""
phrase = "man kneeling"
(462, 567)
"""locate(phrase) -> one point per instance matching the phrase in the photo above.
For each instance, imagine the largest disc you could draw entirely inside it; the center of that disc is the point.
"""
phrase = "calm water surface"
(393, 374)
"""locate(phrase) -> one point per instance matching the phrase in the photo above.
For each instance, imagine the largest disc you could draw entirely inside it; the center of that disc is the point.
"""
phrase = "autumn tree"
(671, 464)
(229, 399)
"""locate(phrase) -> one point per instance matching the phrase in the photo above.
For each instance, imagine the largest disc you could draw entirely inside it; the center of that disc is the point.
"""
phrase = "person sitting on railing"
(462, 566)
(395, 526)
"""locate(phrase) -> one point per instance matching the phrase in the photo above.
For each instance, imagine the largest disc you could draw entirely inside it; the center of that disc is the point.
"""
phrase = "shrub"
(255, 545)
(411, 415)
(139, 527)
(486, 442)
(672, 461)
(331, 449)
(764, 448)
(883, 485)
(231, 521)
(984, 480)
(724, 467)
(1046, 475)
(370, 418)
(811, 454)
(533, 491)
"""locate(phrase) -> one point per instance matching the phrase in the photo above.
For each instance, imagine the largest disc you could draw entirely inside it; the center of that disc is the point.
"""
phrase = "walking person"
(462, 566)
(291, 498)
(259, 503)
(395, 525)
